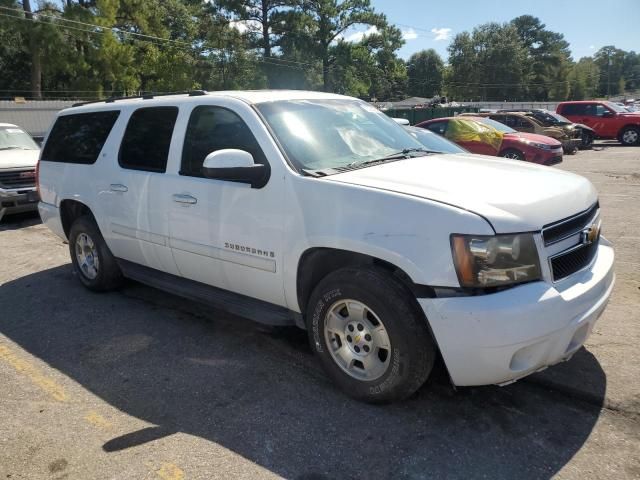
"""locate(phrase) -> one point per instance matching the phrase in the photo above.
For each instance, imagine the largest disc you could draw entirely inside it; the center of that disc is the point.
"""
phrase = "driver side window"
(213, 128)
(600, 109)
(438, 127)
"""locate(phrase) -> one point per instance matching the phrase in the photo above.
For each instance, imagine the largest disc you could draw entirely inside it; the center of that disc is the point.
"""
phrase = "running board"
(235, 303)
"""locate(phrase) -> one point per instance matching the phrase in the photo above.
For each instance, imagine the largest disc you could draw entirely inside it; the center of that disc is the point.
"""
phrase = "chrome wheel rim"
(630, 136)
(357, 340)
(512, 155)
(87, 256)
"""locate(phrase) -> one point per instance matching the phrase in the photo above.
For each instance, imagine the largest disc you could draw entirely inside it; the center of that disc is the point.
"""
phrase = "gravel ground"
(141, 384)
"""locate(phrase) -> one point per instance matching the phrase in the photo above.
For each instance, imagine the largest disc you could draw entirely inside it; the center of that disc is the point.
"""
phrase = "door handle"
(118, 187)
(180, 198)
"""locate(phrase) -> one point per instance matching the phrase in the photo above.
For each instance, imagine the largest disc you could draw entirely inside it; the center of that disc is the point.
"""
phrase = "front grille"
(555, 160)
(18, 179)
(572, 261)
(562, 229)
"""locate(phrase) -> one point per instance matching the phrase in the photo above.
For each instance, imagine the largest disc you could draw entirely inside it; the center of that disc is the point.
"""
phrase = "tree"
(610, 60)
(487, 64)
(547, 59)
(425, 70)
(262, 17)
(330, 19)
(583, 79)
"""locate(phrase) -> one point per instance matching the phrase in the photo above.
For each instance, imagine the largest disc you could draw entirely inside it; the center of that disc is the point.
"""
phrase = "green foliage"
(488, 64)
(584, 79)
(425, 70)
(98, 48)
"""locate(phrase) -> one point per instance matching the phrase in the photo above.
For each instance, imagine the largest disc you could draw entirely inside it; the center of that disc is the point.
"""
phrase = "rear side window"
(575, 109)
(146, 141)
(213, 128)
(438, 127)
(79, 138)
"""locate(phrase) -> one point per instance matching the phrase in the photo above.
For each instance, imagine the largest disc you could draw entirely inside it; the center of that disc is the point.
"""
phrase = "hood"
(584, 127)
(534, 137)
(16, 158)
(556, 132)
(513, 196)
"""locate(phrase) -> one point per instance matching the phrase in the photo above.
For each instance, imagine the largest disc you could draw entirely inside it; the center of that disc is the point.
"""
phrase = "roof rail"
(146, 96)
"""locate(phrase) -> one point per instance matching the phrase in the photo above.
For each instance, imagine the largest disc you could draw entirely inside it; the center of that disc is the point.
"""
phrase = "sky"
(585, 24)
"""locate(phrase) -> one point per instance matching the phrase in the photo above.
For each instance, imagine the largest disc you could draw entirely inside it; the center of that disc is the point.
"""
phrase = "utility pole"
(608, 74)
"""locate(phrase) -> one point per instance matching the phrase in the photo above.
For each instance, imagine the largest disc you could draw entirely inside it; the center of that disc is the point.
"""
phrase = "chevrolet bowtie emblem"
(590, 234)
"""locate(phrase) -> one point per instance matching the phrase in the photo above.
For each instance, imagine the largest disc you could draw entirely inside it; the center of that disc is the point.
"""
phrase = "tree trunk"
(34, 50)
(266, 38)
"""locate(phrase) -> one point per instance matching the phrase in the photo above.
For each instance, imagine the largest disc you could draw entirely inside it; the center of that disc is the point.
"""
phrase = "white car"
(18, 158)
(292, 207)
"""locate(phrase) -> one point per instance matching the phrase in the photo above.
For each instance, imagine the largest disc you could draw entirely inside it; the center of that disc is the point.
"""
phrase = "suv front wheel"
(630, 136)
(92, 260)
(370, 335)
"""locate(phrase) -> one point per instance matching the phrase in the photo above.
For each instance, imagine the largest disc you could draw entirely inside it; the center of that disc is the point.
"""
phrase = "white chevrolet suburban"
(18, 158)
(313, 209)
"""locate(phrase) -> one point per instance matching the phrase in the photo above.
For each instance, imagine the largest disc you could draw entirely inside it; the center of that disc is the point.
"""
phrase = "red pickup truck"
(607, 119)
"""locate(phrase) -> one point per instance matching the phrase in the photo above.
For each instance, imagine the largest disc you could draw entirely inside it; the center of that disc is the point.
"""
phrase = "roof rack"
(146, 96)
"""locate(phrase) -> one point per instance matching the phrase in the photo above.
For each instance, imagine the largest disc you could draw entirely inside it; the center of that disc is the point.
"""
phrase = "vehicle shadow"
(259, 392)
(19, 220)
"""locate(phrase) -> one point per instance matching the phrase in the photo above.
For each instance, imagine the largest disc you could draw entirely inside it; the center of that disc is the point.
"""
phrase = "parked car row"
(485, 136)
(536, 135)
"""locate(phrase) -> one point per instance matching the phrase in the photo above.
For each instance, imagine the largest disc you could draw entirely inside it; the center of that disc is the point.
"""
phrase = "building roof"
(411, 102)
(33, 116)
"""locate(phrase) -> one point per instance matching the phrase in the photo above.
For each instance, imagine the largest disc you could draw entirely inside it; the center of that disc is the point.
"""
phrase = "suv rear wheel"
(92, 260)
(630, 136)
(369, 334)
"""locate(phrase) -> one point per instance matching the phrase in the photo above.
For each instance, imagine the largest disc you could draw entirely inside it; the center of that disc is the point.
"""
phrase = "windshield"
(16, 138)
(616, 108)
(325, 134)
(501, 127)
(433, 141)
(551, 117)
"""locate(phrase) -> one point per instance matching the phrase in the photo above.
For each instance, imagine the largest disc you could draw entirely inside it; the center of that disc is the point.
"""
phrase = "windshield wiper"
(402, 154)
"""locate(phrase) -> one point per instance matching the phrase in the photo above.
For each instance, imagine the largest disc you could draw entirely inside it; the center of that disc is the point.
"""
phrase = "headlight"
(543, 146)
(497, 260)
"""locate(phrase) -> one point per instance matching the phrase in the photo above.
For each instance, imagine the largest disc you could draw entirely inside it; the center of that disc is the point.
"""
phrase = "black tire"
(630, 136)
(411, 351)
(512, 153)
(109, 276)
(587, 141)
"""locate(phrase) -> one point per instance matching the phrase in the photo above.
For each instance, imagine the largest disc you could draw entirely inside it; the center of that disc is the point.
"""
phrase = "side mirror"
(235, 166)
(607, 114)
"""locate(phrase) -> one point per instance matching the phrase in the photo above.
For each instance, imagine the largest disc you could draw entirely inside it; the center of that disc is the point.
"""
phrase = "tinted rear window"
(79, 138)
(575, 109)
(146, 142)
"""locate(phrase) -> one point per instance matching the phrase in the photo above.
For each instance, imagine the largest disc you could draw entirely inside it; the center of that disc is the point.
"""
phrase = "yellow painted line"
(33, 373)
(97, 420)
(169, 471)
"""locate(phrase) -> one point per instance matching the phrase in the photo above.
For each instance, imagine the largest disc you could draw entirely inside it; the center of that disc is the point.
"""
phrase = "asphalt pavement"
(141, 384)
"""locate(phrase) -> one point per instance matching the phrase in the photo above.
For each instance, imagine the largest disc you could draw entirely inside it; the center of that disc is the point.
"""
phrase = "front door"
(222, 233)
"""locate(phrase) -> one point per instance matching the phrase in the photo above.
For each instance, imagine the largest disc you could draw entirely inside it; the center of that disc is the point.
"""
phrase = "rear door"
(127, 200)
(576, 112)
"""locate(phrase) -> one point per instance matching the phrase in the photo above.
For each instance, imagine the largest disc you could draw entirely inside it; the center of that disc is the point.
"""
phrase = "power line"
(101, 29)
